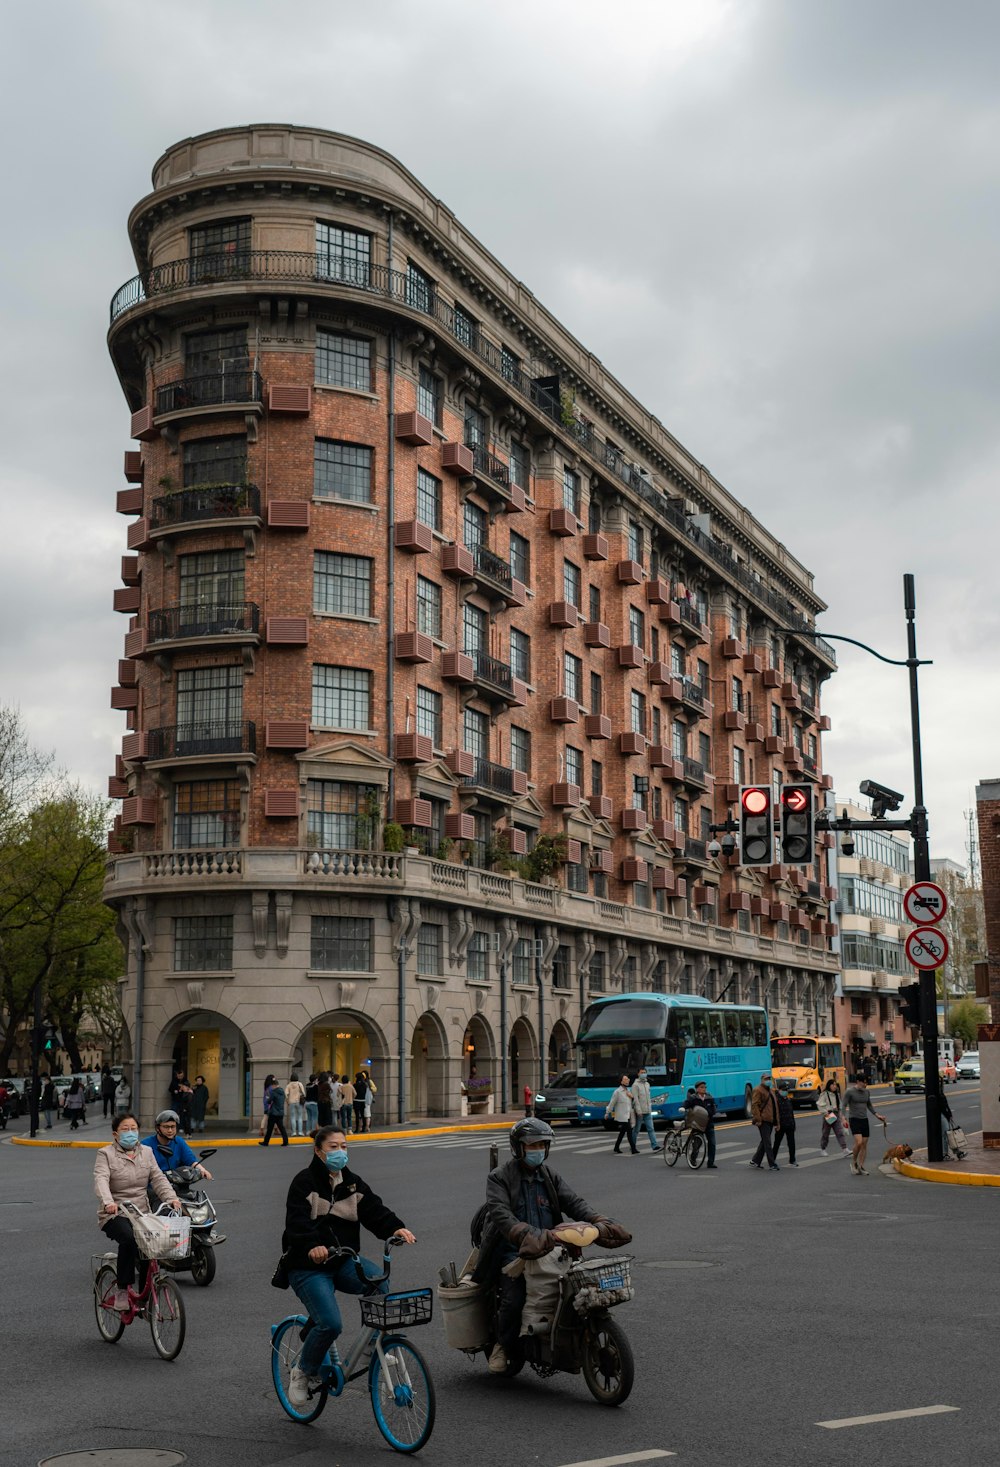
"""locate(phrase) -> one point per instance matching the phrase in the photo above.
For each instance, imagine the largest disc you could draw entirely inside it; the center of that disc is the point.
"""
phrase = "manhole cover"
(117, 1457)
(681, 1263)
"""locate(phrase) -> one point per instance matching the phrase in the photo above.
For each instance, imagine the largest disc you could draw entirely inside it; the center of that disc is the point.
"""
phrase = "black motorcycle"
(196, 1205)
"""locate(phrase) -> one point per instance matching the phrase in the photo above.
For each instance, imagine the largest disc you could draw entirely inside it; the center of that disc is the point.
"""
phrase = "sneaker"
(774, 1167)
(498, 1360)
(712, 1167)
(854, 1168)
(300, 1386)
(756, 1164)
(120, 1301)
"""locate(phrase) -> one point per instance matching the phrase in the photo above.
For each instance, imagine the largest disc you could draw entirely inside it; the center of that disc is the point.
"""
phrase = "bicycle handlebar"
(338, 1255)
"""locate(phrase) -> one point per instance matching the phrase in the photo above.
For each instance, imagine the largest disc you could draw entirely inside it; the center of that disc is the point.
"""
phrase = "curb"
(959, 1179)
(293, 1140)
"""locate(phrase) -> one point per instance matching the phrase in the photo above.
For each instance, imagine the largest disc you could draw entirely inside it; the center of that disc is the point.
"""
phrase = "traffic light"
(756, 825)
(909, 1003)
(796, 839)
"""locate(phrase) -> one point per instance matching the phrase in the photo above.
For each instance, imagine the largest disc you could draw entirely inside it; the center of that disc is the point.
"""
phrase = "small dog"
(897, 1153)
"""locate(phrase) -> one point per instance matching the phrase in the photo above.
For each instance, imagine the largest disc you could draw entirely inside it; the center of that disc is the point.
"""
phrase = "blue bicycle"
(399, 1382)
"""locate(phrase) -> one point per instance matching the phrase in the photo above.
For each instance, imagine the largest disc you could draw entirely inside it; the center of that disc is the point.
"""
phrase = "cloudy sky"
(776, 221)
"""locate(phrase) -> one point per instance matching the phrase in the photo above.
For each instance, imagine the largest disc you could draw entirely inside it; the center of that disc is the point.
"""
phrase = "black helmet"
(530, 1129)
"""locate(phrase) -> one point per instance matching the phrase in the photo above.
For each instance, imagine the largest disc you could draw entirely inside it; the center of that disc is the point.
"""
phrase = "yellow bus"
(801, 1064)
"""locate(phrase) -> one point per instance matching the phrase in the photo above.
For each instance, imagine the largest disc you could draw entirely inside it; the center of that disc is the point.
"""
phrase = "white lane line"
(886, 1416)
(619, 1461)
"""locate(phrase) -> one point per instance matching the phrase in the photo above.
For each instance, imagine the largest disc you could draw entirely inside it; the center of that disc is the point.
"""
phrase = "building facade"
(873, 929)
(442, 655)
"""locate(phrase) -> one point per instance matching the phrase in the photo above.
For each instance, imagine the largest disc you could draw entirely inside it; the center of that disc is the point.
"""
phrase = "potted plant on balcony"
(415, 843)
(477, 1090)
(546, 857)
(367, 821)
(498, 853)
(443, 849)
(393, 837)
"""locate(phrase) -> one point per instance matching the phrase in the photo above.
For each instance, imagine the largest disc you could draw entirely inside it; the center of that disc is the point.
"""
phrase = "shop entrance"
(343, 1050)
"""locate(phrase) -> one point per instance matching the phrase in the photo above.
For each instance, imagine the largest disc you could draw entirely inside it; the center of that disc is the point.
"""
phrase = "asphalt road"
(766, 1303)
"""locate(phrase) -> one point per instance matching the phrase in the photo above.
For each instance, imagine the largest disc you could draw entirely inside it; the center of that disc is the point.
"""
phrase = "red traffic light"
(756, 802)
(795, 798)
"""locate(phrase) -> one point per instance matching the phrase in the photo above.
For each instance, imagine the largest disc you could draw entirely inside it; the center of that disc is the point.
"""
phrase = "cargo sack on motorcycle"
(542, 1279)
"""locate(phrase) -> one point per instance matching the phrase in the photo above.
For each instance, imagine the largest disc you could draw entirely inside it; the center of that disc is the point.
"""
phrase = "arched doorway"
(430, 1088)
(202, 1042)
(343, 1042)
(478, 1053)
(522, 1057)
(560, 1049)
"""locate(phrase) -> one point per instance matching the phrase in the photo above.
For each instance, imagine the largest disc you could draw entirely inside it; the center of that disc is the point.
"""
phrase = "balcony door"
(211, 593)
(209, 710)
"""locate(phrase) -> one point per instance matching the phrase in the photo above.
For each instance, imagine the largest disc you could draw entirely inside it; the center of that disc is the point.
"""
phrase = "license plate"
(613, 1281)
(559, 1110)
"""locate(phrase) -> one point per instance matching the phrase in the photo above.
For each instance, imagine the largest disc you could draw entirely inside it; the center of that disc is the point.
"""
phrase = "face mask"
(642, 1075)
(128, 1139)
(534, 1158)
(767, 1084)
(336, 1160)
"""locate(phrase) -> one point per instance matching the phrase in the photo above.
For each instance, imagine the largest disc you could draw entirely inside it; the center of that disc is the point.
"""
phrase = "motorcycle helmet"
(530, 1129)
(167, 1115)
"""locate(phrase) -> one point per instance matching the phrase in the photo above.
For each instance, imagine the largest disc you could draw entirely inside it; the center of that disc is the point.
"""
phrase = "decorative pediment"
(435, 781)
(347, 758)
(527, 810)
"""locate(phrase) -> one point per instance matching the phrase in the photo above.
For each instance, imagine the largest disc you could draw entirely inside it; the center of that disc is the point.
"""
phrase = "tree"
(964, 1018)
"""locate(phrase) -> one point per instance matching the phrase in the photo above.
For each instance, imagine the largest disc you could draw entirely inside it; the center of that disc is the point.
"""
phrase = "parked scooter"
(197, 1206)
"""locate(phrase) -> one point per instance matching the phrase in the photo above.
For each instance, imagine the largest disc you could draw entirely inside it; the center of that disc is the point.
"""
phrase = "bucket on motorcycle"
(466, 1316)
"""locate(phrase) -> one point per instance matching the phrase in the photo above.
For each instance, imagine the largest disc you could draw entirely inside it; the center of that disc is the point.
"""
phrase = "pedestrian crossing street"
(592, 1143)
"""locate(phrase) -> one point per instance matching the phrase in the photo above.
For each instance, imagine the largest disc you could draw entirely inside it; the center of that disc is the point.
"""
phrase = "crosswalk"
(594, 1143)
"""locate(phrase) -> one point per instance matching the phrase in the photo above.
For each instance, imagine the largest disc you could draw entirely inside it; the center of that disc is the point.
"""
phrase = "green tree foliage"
(964, 1018)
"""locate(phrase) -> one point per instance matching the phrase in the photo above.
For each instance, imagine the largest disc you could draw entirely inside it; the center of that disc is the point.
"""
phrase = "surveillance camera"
(714, 848)
(882, 798)
(847, 846)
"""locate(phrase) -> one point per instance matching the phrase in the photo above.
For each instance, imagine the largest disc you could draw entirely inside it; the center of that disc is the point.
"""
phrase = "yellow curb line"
(293, 1140)
(960, 1179)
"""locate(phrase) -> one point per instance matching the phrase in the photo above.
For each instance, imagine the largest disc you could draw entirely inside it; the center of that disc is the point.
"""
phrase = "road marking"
(619, 1461)
(886, 1416)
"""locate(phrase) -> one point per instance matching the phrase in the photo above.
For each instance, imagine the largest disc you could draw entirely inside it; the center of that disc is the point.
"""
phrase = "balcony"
(493, 475)
(694, 772)
(210, 504)
(496, 679)
(179, 626)
(696, 850)
(691, 623)
(496, 781)
(494, 575)
(229, 739)
(693, 697)
(234, 387)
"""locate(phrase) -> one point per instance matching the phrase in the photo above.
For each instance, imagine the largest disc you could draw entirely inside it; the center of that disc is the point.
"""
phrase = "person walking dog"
(857, 1104)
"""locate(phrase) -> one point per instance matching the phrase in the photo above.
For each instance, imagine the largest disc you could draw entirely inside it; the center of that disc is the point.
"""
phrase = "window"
(522, 968)
(476, 432)
(428, 607)
(678, 661)
(520, 749)
(219, 250)
(520, 655)
(596, 778)
(572, 677)
(429, 715)
(574, 767)
(341, 944)
(510, 365)
(701, 606)
(341, 697)
(703, 677)
(797, 736)
(681, 815)
(343, 361)
(475, 523)
(638, 710)
(571, 491)
(596, 692)
(656, 795)
(560, 965)
(595, 603)
(341, 815)
(209, 709)
(735, 620)
(475, 958)
(739, 766)
(475, 622)
(572, 583)
(207, 813)
(203, 944)
(635, 541)
(215, 461)
(342, 584)
(343, 254)
(211, 582)
(775, 719)
(598, 972)
(342, 471)
(520, 465)
(419, 288)
(577, 877)
(704, 750)
(429, 395)
(736, 694)
(594, 516)
(476, 733)
(429, 948)
(705, 817)
(640, 792)
(678, 739)
(520, 558)
(636, 628)
(654, 643)
(466, 328)
(220, 360)
(428, 499)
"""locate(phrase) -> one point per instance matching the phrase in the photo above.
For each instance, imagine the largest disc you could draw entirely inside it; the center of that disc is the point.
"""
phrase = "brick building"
(988, 819)
(402, 553)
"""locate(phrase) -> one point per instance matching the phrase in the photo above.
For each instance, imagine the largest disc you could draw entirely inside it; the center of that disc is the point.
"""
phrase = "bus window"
(747, 1030)
(759, 1030)
(831, 1056)
(654, 1057)
(716, 1030)
(700, 1029)
(682, 1018)
(732, 1024)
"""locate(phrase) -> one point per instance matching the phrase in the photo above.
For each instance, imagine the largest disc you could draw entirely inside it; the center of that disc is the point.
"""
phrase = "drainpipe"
(140, 984)
(390, 619)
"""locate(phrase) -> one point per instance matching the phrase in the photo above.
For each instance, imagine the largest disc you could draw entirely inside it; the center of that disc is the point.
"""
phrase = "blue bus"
(680, 1039)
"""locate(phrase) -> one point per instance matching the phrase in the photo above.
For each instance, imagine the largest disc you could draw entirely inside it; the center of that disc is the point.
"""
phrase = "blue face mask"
(128, 1139)
(534, 1158)
(336, 1160)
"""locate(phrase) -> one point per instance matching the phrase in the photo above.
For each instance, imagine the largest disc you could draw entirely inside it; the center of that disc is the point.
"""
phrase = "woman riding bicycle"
(327, 1206)
(122, 1172)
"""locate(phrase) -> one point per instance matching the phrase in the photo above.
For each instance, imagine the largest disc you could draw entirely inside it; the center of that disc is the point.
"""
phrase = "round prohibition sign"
(924, 903)
(926, 947)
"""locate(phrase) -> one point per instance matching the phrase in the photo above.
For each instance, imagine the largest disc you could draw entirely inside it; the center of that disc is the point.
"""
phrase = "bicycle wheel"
(672, 1149)
(608, 1367)
(109, 1321)
(286, 1347)
(402, 1395)
(697, 1150)
(166, 1318)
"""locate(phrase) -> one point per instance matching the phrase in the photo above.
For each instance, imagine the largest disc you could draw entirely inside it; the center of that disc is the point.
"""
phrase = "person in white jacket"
(643, 1107)
(828, 1105)
(621, 1110)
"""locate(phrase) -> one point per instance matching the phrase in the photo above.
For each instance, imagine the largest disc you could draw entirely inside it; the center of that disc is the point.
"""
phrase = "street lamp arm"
(832, 637)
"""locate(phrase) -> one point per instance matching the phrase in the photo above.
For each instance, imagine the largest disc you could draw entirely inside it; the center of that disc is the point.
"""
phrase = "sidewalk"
(981, 1168)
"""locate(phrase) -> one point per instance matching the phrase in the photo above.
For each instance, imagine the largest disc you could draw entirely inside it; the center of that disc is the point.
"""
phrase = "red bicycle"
(158, 1301)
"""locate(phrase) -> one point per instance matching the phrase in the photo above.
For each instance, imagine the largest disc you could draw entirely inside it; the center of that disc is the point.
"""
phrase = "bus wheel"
(747, 1106)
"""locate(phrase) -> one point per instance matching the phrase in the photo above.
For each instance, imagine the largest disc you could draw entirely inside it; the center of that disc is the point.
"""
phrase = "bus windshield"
(604, 1064)
(624, 1018)
(793, 1052)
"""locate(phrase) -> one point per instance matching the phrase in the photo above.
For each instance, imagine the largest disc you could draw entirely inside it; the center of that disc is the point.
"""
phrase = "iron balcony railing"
(491, 568)
(489, 776)
(692, 693)
(690, 615)
(220, 619)
(695, 848)
(693, 770)
(209, 389)
(206, 502)
(488, 466)
(809, 762)
(199, 739)
(494, 672)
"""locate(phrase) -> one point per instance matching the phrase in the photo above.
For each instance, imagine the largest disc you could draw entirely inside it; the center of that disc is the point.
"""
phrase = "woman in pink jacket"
(122, 1172)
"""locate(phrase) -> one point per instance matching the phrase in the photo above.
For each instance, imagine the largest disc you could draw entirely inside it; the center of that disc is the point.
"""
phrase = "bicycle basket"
(599, 1285)
(397, 1311)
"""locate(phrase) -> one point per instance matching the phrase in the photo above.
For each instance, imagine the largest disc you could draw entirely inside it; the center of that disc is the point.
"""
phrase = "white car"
(968, 1066)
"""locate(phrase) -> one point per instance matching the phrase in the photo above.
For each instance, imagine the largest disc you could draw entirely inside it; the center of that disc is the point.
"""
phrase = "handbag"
(159, 1236)
(280, 1279)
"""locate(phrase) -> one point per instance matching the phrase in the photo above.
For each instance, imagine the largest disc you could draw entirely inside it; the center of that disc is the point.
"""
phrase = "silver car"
(967, 1068)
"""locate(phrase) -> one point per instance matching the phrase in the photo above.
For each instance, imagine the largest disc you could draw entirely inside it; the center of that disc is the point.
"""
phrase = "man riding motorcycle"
(170, 1149)
(525, 1200)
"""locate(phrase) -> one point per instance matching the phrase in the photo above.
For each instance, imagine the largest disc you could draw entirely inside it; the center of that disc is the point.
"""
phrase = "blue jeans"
(316, 1289)
(645, 1123)
(346, 1112)
(312, 1116)
(296, 1116)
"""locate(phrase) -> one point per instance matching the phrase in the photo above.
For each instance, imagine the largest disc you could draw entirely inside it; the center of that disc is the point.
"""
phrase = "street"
(765, 1305)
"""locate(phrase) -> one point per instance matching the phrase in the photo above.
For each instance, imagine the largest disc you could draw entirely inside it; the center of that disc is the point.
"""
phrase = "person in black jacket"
(326, 1208)
(786, 1125)
(700, 1096)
